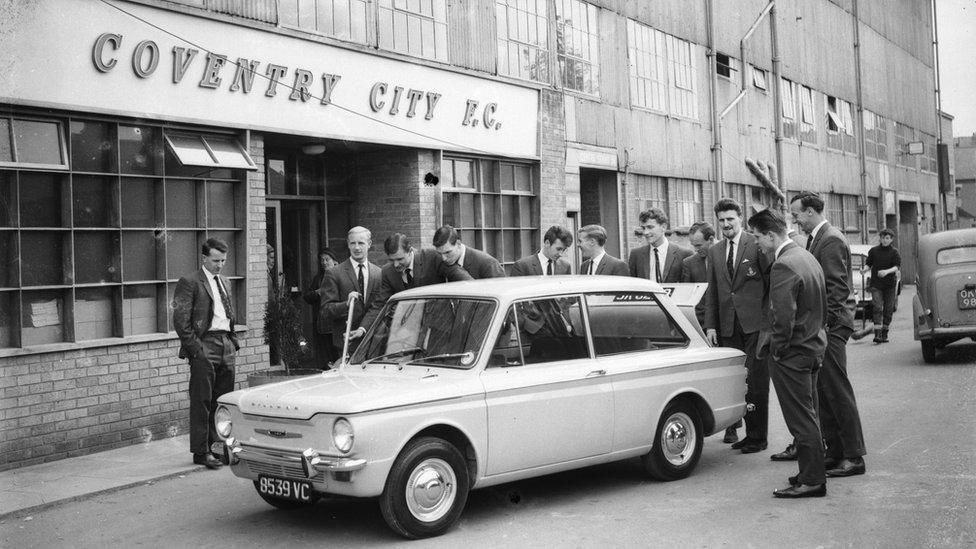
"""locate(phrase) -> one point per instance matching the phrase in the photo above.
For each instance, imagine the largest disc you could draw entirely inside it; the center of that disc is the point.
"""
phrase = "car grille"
(277, 463)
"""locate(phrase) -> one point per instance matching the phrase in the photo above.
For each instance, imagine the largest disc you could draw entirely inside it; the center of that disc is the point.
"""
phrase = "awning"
(209, 151)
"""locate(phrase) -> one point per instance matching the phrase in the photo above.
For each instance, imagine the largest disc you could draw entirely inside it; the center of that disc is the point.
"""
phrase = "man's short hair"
(595, 232)
(809, 200)
(360, 229)
(395, 243)
(768, 221)
(657, 214)
(726, 204)
(704, 228)
(886, 232)
(327, 251)
(214, 244)
(558, 232)
(446, 235)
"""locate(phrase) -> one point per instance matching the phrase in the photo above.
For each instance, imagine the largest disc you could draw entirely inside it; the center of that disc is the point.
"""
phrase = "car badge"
(277, 434)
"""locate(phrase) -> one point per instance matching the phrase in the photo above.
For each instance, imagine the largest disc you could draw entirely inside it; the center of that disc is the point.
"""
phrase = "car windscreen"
(438, 331)
(961, 254)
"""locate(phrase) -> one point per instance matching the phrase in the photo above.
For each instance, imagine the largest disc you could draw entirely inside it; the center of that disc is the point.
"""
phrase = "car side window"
(551, 329)
(625, 322)
(507, 350)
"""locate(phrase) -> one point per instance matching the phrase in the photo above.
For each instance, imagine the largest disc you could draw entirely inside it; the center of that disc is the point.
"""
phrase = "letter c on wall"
(379, 88)
(97, 52)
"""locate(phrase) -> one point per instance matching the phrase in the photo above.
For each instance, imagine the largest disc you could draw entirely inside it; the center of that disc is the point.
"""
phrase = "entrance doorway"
(908, 239)
(599, 205)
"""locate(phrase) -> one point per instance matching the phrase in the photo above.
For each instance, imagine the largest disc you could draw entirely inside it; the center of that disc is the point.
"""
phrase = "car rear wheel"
(426, 490)
(929, 350)
(286, 504)
(677, 443)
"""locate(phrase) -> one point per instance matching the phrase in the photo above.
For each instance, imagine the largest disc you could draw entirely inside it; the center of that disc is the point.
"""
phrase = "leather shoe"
(741, 443)
(208, 460)
(730, 436)
(848, 467)
(754, 447)
(789, 454)
(801, 491)
(831, 462)
(794, 480)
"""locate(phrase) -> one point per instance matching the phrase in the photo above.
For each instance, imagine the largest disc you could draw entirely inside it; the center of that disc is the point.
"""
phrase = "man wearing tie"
(659, 260)
(694, 268)
(477, 263)
(357, 278)
(203, 317)
(736, 277)
(548, 261)
(592, 239)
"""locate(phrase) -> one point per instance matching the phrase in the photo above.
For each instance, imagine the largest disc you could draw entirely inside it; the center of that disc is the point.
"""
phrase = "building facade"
(147, 126)
(964, 151)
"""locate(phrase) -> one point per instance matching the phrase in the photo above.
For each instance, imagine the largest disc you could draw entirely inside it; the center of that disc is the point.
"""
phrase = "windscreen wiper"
(466, 357)
(391, 355)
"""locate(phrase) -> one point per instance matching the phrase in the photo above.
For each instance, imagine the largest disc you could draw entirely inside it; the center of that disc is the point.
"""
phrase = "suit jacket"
(530, 266)
(694, 268)
(193, 309)
(337, 283)
(834, 255)
(478, 264)
(640, 262)
(797, 306)
(609, 265)
(739, 296)
(428, 268)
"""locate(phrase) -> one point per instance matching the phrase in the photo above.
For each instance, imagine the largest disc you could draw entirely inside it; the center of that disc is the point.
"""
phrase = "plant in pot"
(284, 335)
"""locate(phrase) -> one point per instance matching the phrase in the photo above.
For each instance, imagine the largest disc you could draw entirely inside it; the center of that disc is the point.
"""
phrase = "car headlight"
(222, 422)
(342, 435)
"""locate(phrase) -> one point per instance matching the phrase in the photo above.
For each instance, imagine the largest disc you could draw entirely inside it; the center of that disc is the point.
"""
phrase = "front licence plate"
(967, 298)
(295, 490)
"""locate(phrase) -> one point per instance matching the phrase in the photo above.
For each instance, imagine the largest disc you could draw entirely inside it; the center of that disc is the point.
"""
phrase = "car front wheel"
(677, 443)
(426, 490)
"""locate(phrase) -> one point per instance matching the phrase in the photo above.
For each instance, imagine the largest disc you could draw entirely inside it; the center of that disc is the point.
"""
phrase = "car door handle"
(596, 373)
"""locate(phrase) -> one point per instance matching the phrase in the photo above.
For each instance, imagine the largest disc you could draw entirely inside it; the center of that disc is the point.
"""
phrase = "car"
(861, 281)
(465, 385)
(944, 305)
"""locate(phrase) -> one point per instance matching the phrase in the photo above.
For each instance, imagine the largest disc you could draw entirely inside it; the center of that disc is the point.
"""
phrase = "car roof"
(860, 249)
(948, 239)
(510, 288)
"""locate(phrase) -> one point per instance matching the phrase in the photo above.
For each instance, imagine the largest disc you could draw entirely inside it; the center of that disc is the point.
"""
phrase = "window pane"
(8, 318)
(492, 243)
(468, 210)
(139, 203)
(551, 330)
(527, 245)
(93, 201)
(275, 176)
(38, 142)
(338, 219)
(9, 277)
(181, 204)
(288, 12)
(6, 150)
(140, 150)
(139, 254)
(182, 253)
(40, 200)
(509, 212)
(42, 317)
(229, 152)
(523, 178)
(94, 313)
(493, 212)
(220, 205)
(96, 257)
(462, 174)
(450, 213)
(508, 177)
(489, 182)
(139, 308)
(8, 199)
(525, 212)
(190, 151)
(41, 256)
(311, 178)
(623, 323)
(93, 146)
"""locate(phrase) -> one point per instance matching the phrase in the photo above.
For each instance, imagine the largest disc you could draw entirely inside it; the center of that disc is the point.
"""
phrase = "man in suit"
(794, 339)
(203, 317)
(409, 268)
(592, 239)
(548, 261)
(733, 312)
(477, 263)
(839, 417)
(325, 350)
(356, 278)
(694, 268)
(660, 259)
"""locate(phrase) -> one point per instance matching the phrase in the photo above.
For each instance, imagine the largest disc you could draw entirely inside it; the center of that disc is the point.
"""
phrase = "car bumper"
(308, 464)
(956, 332)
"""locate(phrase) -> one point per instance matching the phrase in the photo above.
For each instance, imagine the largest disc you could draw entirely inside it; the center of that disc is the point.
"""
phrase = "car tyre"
(929, 350)
(678, 442)
(426, 489)
(286, 504)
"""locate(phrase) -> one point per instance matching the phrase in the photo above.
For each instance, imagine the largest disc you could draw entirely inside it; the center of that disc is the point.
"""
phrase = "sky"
(957, 52)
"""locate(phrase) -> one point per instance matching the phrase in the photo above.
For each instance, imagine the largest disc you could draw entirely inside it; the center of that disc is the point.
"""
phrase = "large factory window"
(523, 39)
(577, 46)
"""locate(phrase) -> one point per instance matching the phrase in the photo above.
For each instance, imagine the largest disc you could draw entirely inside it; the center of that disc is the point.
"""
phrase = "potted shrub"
(284, 335)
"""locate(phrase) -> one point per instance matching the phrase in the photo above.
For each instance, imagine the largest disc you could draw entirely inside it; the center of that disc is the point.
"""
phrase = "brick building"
(146, 126)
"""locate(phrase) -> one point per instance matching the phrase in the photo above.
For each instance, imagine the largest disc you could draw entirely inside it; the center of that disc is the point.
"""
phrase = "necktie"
(409, 278)
(228, 310)
(589, 268)
(362, 281)
(657, 266)
(809, 240)
(729, 264)
(549, 268)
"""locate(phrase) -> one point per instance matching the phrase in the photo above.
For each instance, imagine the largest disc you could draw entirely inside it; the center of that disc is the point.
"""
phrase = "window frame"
(542, 47)
(587, 296)
(12, 136)
(592, 34)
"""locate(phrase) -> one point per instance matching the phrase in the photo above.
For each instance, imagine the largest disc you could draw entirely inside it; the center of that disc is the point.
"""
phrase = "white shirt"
(544, 261)
(595, 262)
(780, 248)
(403, 275)
(662, 251)
(355, 273)
(220, 321)
(813, 234)
(460, 260)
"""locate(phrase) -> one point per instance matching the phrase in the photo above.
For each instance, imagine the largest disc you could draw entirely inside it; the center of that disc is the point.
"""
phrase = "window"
(652, 192)
(741, 194)
(685, 198)
(577, 46)
(493, 204)
(683, 65)
(759, 78)
(94, 252)
(523, 39)
(875, 136)
(903, 135)
(840, 125)
(724, 65)
(852, 217)
(629, 322)
(414, 27)
(808, 129)
(32, 143)
(548, 330)
(342, 19)
(872, 213)
(928, 161)
(648, 69)
(210, 152)
(788, 108)
(835, 209)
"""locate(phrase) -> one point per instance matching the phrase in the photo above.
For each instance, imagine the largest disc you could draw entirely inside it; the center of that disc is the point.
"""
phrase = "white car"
(470, 384)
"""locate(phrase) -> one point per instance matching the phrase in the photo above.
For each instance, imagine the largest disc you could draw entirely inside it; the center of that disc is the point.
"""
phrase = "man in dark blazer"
(736, 277)
(839, 417)
(660, 259)
(694, 268)
(356, 277)
(477, 263)
(409, 268)
(794, 340)
(203, 317)
(548, 261)
(592, 239)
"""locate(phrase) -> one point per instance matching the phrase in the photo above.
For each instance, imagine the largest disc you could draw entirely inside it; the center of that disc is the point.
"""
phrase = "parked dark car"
(945, 303)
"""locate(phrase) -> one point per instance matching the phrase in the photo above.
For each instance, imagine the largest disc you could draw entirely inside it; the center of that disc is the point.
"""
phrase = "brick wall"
(387, 196)
(552, 155)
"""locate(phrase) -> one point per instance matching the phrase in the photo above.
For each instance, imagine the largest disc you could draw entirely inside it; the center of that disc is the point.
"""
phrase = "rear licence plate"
(295, 490)
(967, 298)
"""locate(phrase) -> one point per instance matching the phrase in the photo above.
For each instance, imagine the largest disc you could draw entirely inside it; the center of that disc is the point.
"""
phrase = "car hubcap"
(678, 439)
(431, 490)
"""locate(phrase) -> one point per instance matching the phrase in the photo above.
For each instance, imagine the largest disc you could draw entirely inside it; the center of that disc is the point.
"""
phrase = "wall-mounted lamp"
(430, 179)
(312, 149)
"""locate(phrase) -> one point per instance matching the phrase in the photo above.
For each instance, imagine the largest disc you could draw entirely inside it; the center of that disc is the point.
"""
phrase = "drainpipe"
(862, 157)
(718, 189)
(777, 109)
(943, 202)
